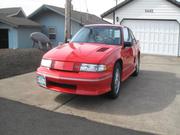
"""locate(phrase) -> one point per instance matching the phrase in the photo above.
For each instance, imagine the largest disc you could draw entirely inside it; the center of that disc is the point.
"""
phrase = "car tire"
(137, 68)
(116, 82)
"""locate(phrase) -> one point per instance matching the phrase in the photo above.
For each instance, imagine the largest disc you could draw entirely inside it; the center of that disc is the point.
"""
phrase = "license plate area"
(41, 80)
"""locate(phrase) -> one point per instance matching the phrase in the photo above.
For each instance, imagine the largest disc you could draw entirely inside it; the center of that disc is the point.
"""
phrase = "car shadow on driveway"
(151, 91)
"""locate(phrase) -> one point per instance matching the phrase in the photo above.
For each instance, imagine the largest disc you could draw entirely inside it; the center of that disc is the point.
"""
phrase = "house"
(13, 12)
(15, 28)
(156, 23)
(52, 20)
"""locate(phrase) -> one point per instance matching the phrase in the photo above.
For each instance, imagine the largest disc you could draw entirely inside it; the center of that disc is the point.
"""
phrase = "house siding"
(12, 35)
(23, 36)
(160, 9)
(75, 27)
(13, 38)
(19, 37)
(51, 19)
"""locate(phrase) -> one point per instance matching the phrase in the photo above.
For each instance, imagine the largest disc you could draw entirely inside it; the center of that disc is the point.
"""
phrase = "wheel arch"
(139, 53)
(120, 62)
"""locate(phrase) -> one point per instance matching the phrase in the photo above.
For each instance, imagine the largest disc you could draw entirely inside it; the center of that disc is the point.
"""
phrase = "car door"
(127, 54)
(134, 48)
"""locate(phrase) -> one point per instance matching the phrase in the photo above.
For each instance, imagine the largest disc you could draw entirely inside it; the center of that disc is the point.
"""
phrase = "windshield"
(103, 35)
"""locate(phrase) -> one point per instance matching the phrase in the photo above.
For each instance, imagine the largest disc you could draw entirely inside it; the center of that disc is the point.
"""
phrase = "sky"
(96, 7)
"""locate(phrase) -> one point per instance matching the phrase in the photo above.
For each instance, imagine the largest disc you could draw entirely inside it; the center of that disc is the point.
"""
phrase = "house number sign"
(149, 11)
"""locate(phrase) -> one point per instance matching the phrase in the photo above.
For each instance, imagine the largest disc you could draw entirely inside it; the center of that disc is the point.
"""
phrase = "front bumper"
(81, 83)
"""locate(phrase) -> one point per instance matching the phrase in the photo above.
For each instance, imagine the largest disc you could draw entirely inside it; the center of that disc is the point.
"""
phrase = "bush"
(18, 61)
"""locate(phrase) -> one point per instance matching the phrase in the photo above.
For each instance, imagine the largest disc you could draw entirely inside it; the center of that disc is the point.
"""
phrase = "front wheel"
(116, 82)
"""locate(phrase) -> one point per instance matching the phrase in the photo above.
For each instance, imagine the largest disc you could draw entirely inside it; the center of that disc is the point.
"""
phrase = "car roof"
(108, 25)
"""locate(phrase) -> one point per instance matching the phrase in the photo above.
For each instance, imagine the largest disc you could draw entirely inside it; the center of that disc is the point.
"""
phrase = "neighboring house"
(156, 23)
(52, 20)
(15, 28)
(13, 12)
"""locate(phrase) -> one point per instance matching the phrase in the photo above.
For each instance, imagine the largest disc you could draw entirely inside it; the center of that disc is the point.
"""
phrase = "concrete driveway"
(149, 102)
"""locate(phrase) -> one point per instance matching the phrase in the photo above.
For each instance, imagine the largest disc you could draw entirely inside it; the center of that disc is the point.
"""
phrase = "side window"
(127, 35)
(132, 35)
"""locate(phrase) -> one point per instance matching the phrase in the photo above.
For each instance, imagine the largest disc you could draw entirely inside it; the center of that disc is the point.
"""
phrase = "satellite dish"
(41, 39)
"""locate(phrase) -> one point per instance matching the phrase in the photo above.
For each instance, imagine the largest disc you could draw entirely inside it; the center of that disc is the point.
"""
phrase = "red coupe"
(96, 61)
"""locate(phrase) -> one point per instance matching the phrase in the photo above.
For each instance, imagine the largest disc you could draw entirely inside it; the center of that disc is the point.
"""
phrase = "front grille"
(65, 70)
(61, 85)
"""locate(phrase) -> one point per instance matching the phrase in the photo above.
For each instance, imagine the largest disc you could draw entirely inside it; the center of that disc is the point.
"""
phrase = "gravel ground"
(18, 61)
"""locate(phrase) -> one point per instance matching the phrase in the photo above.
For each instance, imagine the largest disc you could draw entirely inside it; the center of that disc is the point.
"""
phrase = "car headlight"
(46, 63)
(92, 68)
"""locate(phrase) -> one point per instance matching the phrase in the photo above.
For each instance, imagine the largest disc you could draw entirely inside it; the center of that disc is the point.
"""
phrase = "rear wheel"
(116, 82)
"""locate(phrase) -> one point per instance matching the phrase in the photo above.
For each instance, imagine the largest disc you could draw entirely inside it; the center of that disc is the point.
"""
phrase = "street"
(19, 119)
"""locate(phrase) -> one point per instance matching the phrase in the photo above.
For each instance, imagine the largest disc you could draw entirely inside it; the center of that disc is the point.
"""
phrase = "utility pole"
(117, 1)
(67, 29)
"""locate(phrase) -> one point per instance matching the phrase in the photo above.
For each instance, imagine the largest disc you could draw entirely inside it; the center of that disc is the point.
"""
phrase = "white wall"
(162, 9)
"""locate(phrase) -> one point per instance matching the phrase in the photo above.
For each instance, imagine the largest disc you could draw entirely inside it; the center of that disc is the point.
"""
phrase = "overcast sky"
(96, 7)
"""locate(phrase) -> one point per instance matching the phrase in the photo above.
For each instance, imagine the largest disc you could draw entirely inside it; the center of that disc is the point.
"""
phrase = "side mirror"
(67, 40)
(127, 44)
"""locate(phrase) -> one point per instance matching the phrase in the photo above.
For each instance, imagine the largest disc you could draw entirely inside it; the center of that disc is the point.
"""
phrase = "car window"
(132, 35)
(125, 32)
(99, 34)
(127, 35)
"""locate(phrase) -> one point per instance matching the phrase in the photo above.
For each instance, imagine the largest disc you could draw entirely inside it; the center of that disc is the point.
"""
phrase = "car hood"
(80, 52)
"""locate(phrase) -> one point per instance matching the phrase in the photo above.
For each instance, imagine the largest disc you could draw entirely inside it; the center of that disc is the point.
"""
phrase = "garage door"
(156, 37)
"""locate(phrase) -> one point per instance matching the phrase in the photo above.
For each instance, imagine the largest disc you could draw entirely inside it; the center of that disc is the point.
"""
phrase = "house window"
(52, 32)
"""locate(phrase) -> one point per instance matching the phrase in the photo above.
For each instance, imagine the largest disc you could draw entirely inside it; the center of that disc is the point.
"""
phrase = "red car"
(96, 61)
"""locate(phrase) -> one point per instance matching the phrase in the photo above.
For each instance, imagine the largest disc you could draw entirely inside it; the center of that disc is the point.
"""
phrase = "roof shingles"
(5, 17)
(10, 11)
(81, 17)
